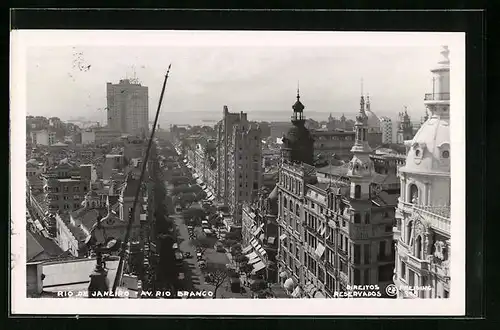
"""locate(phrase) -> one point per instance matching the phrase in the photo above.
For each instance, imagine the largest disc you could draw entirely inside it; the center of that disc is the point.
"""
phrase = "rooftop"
(73, 275)
(39, 248)
(386, 199)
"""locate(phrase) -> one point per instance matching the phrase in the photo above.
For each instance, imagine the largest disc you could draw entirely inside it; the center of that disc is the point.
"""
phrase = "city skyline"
(251, 79)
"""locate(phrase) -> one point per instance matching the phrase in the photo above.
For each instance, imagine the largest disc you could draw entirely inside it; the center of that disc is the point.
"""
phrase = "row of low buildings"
(79, 206)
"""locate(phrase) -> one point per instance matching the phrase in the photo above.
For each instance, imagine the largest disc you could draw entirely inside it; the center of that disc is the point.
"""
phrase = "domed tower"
(298, 144)
(423, 213)
(361, 166)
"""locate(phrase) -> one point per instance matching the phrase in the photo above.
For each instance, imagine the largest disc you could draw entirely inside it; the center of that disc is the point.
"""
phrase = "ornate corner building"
(423, 213)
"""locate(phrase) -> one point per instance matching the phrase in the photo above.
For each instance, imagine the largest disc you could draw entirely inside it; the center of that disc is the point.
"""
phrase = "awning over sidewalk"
(252, 255)
(320, 250)
(195, 176)
(282, 237)
(211, 198)
(319, 294)
(258, 267)
(246, 250)
(254, 261)
(296, 293)
(199, 181)
(289, 284)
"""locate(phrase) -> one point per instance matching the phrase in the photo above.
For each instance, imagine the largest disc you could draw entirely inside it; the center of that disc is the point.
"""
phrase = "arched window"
(291, 206)
(357, 218)
(413, 194)
(357, 191)
(285, 203)
(297, 210)
(418, 247)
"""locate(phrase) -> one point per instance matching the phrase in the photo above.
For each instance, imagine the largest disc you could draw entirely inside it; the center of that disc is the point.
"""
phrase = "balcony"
(417, 263)
(437, 216)
(437, 97)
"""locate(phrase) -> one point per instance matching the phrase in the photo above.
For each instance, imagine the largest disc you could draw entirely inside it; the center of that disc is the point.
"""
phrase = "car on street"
(187, 255)
(202, 264)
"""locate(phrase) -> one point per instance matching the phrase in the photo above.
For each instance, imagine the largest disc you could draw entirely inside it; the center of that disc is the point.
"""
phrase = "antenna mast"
(119, 270)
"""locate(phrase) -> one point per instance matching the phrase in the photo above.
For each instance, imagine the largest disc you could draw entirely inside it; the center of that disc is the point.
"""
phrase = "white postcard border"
(21, 39)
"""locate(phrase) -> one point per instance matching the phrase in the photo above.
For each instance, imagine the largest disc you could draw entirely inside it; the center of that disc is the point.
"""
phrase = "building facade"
(423, 214)
(405, 129)
(332, 142)
(337, 234)
(239, 161)
(386, 127)
(128, 107)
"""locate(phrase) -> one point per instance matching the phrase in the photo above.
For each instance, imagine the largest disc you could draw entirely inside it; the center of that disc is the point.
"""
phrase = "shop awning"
(319, 294)
(254, 261)
(252, 255)
(258, 267)
(199, 181)
(296, 293)
(211, 198)
(261, 237)
(282, 237)
(283, 274)
(261, 250)
(257, 231)
(254, 242)
(246, 250)
(195, 176)
(289, 284)
(320, 250)
(270, 240)
(323, 231)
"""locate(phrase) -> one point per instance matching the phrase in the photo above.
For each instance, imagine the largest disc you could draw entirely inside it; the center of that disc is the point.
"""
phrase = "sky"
(251, 78)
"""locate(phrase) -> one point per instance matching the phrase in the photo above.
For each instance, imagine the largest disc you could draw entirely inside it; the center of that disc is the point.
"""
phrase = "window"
(381, 250)
(366, 254)
(357, 191)
(445, 154)
(357, 276)
(446, 294)
(357, 218)
(385, 273)
(330, 283)
(403, 270)
(284, 202)
(366, 276)
(388, 228)
(357, 254)
(321, 275)
(367, 218)
(297, 210)
(297, 252)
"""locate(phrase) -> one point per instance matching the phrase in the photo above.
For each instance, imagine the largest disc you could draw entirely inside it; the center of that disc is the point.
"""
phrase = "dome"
(373, 121)
(429, 151)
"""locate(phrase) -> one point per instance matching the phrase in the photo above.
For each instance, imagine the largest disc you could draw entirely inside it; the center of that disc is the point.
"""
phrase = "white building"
(43, 137)
(88, 137)
(423, 214)
(128, 107)
(386, 127)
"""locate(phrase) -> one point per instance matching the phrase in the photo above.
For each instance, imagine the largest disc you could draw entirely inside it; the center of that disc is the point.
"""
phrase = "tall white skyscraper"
(386, 128)
(128, 107)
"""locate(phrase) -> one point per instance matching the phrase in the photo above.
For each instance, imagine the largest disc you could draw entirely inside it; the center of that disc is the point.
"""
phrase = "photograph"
(311, 170)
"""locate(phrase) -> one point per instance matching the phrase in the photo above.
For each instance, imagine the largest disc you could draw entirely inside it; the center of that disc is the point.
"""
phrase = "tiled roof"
(88, 217)
(78, 232)
(335, 170)
(40, 248)
(386, 199)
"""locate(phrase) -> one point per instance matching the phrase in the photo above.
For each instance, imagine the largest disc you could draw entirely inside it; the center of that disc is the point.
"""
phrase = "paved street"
(194, 279)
